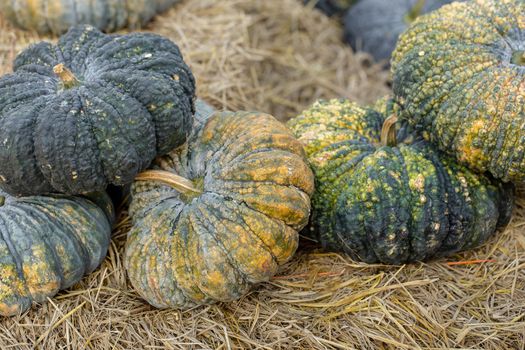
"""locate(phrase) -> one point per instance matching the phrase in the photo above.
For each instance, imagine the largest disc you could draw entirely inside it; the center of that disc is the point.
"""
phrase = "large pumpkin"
(56, 16)
(392, 203)
(48, 243)
(373, 26)
(92, 110)
(219, 214)
(459, 74)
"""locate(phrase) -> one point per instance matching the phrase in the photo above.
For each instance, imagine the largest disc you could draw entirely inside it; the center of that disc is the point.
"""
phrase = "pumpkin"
(56, 16)
(373, 26)
(92, 110)
(332, 7)
(382, 197)
(458, 73)
(48, 243)
(219, 214)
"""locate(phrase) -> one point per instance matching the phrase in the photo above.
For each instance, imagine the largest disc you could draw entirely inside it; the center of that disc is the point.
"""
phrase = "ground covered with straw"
(278, 56)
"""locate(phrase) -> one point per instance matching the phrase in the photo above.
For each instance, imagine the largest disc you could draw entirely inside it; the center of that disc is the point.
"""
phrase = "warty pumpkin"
(394, 203)
(459, 73)
(219, 214)
(373, 26)
(92, 110)
(48, 243)
(56, 16)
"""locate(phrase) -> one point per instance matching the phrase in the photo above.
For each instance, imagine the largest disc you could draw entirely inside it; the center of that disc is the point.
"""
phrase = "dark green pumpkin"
(392, 204)
(48, 243)
(56, 16)
(219, 214)
(459, 75)
(92, 110)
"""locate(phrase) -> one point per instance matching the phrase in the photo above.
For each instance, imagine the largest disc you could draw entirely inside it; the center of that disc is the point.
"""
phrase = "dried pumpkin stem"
(388, 131)
(179, 183)
(67, 78)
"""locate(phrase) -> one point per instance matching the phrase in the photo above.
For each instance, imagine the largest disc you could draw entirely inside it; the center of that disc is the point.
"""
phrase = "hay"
(277, 56)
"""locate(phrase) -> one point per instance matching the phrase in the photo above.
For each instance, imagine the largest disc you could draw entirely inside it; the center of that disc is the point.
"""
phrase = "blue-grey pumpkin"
(373, 26)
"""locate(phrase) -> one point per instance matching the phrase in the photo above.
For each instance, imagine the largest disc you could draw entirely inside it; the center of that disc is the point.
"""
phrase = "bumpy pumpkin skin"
(130, 99)
(56, 16)
(392, 204)
(373, 26)
(48, 243)
(186, 250)
(458, 73)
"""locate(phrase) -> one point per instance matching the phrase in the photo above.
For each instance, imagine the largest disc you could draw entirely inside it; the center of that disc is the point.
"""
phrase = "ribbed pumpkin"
(393, 203)
(92, 110)
(332, 7)
(48, 243)
(56, 16)
(373, 26)
(459, 74)
(219, 214)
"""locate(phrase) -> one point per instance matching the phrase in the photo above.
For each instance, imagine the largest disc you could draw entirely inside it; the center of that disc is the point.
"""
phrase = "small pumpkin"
(458, 73)
(48, 243)
(56, 16)
(332, 7)
(92, 110)
(219, 214)
(394, 203)
(373, 26)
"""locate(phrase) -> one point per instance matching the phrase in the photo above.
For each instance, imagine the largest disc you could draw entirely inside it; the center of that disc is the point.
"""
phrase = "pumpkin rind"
(458, 76)
(127, 99)
(57, 16)
(392, 204)
(198, 248)
(373, 26)
(48, 243)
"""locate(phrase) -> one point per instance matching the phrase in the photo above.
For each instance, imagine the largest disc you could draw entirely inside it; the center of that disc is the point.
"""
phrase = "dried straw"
(278, 56)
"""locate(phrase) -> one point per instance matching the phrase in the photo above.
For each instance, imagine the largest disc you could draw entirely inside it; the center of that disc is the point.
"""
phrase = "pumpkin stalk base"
(388, 131)
(187, 188)
(66, 77)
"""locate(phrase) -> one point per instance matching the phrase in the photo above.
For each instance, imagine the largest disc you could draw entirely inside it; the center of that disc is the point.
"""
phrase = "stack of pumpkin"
(218, 198)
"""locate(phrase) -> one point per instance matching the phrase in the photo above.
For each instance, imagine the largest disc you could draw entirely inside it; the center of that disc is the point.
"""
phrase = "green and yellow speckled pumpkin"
(56, 16)
(393, 203)
(48, 243)
(459, 74)
(219, 214)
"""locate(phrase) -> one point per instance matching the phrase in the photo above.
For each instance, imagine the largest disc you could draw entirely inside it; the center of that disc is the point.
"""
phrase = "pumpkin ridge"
(9, 243)
(204, 221)
(58, 226)
(45, 239)
(142, 154)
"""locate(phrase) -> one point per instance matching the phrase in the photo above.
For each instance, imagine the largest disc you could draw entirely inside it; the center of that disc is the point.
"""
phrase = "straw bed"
(278, 56)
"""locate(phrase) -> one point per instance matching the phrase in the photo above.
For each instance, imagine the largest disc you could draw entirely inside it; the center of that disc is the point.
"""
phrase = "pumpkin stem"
(415, 12)
(388, 131)
(181, 184)
(2, 200)
(66, 76)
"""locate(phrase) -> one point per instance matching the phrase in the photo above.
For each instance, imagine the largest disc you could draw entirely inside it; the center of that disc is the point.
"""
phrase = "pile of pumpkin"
(219, 198)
